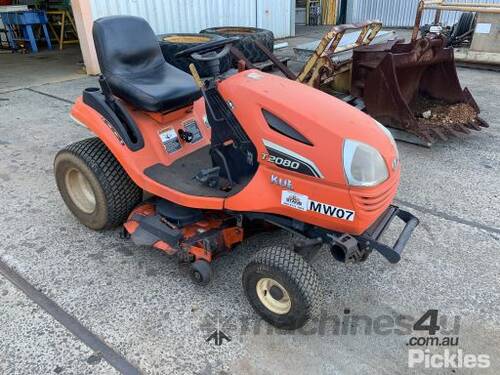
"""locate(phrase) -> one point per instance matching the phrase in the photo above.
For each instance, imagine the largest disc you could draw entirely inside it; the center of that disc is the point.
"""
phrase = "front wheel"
(281, 287)
(201, 272)
(94, 186)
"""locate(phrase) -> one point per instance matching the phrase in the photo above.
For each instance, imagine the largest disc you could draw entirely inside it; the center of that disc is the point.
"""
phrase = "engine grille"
(374, 201)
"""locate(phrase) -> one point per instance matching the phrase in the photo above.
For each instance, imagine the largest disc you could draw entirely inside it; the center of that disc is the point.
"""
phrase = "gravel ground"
(142, 305)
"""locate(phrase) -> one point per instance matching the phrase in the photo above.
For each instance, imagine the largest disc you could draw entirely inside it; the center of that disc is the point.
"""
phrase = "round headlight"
(363, 165)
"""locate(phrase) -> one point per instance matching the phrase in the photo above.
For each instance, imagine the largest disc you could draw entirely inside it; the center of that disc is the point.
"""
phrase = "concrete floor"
(18, 71)
(142, 304)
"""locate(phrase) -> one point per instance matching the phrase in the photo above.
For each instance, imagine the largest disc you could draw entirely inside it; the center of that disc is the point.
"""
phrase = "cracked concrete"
(141, 303)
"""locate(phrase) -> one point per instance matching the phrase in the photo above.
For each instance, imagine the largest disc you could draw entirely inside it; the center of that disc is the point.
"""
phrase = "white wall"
(190, 16)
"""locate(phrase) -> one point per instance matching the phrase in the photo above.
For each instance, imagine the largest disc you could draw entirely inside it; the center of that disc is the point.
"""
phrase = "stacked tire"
(171, 44)
(246, 44)
(465, 23)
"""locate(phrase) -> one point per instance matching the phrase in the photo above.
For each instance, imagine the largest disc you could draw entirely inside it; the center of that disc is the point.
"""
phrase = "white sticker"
(329, 210)
(254, 75)
(294, 200)
(483, 28)
(167, 135)
(303, 203)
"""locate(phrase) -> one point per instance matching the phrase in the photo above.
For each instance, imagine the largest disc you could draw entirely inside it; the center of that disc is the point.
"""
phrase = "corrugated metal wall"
(190, 16)
(276, 15)
(399, 13)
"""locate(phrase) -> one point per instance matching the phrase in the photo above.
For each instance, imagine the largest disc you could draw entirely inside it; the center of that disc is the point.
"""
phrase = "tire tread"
(122, 194)
(294, 267)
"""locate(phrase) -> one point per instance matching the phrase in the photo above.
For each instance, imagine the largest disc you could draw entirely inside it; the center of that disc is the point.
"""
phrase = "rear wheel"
(281, 287)
(94, 185)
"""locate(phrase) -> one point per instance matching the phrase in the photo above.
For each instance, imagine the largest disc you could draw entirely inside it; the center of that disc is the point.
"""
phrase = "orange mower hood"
(321, 118)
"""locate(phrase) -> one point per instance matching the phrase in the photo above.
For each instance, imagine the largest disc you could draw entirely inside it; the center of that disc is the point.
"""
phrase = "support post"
(83, 19)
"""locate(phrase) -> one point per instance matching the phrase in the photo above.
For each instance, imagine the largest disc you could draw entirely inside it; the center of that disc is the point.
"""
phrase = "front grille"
(374, 201)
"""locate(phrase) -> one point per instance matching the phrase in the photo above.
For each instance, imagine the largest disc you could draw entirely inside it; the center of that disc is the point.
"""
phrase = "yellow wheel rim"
(80, 191)
(186, 39)
(234, 30)
(273, 296)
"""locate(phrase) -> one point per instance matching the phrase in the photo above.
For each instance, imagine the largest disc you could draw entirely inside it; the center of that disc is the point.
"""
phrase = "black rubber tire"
(171, 44)
(201, 272)
(115, 193)
(296, 276)
(464, 24)
(246, 44)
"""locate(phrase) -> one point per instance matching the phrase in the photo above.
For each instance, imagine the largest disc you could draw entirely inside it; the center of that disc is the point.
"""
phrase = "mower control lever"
(211, 55)
(200, 52)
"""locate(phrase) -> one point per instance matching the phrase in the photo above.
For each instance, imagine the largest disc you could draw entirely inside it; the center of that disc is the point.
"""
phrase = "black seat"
(131, 60)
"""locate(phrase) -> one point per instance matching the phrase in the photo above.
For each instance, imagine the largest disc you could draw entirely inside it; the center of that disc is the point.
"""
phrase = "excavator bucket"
(414, 87)
(411, 87)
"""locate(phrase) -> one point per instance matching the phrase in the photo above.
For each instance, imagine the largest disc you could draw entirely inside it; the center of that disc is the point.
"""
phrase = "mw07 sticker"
(333, 211)
(303, 203)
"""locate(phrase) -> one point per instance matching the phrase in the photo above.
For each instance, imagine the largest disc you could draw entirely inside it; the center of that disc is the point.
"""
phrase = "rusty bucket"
(414, 87)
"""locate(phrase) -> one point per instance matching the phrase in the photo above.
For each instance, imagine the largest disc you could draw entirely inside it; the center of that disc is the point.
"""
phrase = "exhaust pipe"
(346, 249)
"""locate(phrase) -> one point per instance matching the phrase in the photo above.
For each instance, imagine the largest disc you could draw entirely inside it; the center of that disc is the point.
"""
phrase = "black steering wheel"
(206, 51)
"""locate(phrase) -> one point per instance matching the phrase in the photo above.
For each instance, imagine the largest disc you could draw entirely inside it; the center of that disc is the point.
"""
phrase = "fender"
(134, 162)
(118, 117)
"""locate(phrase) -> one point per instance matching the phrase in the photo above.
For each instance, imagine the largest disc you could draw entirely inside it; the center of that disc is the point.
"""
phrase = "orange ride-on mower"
(225, 160)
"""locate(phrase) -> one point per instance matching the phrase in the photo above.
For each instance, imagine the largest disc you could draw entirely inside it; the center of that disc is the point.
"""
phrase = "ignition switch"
(185, 136)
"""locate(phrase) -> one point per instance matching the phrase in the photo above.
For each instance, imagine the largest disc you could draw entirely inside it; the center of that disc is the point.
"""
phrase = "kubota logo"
(283, 182)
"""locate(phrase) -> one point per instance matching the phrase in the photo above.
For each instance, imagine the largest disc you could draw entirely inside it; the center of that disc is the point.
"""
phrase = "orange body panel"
(321, 118)
(326, 122)
(153, 152)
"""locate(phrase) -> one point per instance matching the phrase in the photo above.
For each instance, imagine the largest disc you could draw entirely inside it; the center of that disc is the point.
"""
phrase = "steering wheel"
(206, 51)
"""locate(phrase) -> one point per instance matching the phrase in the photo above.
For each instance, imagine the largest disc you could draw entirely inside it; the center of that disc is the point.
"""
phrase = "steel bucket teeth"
(462, 128)
(455, 133)
(473, 126)
(482, 123)
(440, 134)
(426, 137)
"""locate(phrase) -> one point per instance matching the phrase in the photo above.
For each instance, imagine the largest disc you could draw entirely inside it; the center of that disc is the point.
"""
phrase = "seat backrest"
(125, 45)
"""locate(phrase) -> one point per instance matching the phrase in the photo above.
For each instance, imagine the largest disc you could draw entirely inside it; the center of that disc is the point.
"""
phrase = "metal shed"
(188, 16)
(398, 13)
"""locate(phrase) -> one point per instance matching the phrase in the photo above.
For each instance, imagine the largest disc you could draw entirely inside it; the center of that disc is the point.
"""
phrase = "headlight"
(389, 135)
(363, 165)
